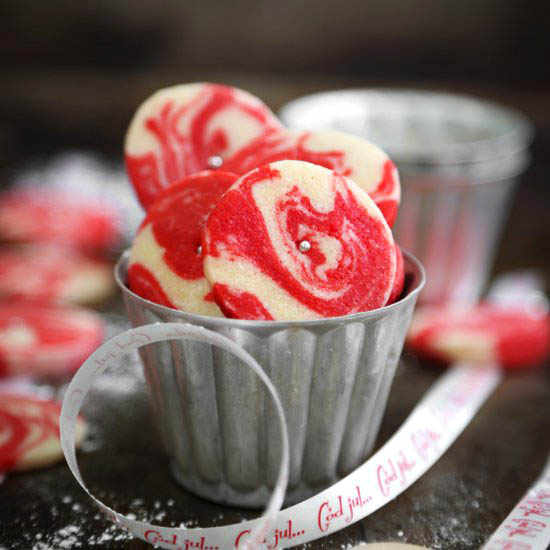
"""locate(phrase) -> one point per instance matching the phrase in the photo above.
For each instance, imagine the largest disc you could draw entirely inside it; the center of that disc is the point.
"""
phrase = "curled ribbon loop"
(167, 537)
(430, 429)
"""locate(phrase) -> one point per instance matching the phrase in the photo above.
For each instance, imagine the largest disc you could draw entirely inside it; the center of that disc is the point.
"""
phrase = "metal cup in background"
(333, 377)
(459, 159)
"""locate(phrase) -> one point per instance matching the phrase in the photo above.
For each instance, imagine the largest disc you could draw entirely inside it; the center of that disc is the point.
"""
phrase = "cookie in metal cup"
(333, 377)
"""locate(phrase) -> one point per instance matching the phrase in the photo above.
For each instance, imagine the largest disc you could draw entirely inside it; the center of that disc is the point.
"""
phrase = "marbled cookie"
(399, 281)
(352, 156)
(29, 432)
(184, 129)
(485, 333)
(46, 340)
(46, 215)
(294, 241)
(165, 259)
(55, 274)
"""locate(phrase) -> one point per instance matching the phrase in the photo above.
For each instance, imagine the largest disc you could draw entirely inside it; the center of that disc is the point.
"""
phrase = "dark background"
(74, 72)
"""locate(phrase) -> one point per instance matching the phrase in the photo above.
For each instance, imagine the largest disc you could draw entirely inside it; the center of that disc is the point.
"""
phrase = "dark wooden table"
(456, 505)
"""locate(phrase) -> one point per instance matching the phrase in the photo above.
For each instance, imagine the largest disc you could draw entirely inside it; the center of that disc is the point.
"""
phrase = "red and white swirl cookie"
(165, 259)
(29, 432)
(184, 129)
(352, 156)
(399, 281)
(45, 215)
(485, 333)
(294, 241)
(52, 273)
(46, 340)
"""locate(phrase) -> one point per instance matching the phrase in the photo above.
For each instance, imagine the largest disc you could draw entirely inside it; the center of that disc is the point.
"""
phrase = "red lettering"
(323, 525)
(423, 441)
(153, 536)
(240, 535)
(385, 478)
(536, 507)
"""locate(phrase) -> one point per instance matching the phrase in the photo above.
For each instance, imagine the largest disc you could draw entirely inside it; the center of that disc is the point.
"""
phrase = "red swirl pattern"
(358, 278)
(289, 145)
(184, 148)
(284, 145)
(517, 339)
(176, 219)
(144, 284)
(52, 216)
(384, 195)
(399, 282)
(26, 423)
(45, 339)
(47, 272)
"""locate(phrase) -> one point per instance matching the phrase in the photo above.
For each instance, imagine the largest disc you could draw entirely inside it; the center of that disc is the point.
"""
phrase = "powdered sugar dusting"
(76, 533)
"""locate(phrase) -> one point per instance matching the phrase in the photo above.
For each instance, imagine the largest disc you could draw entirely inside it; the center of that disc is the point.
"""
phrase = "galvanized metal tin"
(221, 433)
(459, 159)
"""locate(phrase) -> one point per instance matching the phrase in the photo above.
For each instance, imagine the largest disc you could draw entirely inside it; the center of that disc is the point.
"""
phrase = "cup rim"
(511, 131)
(419, 281)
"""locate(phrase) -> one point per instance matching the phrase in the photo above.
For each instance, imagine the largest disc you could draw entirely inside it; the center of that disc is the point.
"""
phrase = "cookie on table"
(46, 340)
(485, 333)
(165, 259)
(352, 156)
(185, 129)
(294, 241)
(46, 215)
(29, 432)
(55, 274)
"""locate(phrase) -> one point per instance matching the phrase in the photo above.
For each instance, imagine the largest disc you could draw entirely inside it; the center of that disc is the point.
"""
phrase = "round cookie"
(399, 281)
(352, 156)
(184, 129)
(46, 340)
(45, 215)
(55, 274)
(29, 432)
(165, 258)
(485, 333)
(295, 241)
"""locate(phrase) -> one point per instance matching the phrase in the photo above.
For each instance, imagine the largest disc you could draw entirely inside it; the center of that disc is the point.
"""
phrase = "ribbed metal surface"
(220, 430)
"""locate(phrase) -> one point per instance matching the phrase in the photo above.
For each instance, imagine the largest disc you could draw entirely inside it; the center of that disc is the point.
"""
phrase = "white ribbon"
(527, 527)
(107, 355)
(427, 433)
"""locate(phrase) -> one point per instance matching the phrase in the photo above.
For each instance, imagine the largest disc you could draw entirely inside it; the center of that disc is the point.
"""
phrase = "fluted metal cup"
(221, 433)
(459, 159)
